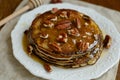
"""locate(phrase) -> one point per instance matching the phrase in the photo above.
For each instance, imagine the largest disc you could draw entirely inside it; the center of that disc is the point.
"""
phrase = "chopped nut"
(44, 35)
(48, 24)
(78, 23)
(89, 34)
(86, 24)
(54, 46)
(65, 24)
(56, 1)
(82, 46)
(54, 10)
(62, 38)
(74, 41)
(84, 36)
(107, 41)
(54, 19)
(47, 67)
(64, 14)
(74, 32)
(30, 49)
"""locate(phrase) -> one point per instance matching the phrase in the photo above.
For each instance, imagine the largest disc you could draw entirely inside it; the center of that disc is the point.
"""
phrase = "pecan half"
(65, 24)
(54, 46)
(47, 67)
(48, 23)
(74, 32)
(78, 23)
(64, 14)
(56, 1)
(82, 46)
(44, 35)
(54, 10)
(29, 49)
(62, 38)
(107, 41)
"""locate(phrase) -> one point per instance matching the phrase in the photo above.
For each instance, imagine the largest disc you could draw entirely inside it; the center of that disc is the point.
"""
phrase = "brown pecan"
(74, 32)
(52, 18)
(47, 67)
(54, 10)
(65, 24)
(54, 46)
(82, 46)
(44, 35)
(30, 49)
(56, 1)
(78, 23)
(64, 14)
(62, 38)
(107, 41)
(48, 23)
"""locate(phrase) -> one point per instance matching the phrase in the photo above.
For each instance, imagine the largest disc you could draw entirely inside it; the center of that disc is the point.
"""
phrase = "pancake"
(66, 37)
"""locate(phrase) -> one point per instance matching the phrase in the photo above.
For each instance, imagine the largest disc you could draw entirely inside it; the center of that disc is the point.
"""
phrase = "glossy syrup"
(33, 56)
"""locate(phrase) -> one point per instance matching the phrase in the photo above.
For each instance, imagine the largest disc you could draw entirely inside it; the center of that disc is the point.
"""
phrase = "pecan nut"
(62, 38)
(64, 14)
(48, 24)
(56, 1)
(55, 47)
(78, 23)
(74, 32)
(44, 35)
(82, 46)
(107, 41)
(47, 67)
(54, 10)
(29, 49)
(65, 24)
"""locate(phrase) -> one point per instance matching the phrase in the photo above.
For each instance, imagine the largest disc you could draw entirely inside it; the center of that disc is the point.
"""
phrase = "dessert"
(66, 38)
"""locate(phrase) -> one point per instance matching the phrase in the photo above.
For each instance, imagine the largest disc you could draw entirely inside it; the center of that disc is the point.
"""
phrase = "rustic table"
(8, 6)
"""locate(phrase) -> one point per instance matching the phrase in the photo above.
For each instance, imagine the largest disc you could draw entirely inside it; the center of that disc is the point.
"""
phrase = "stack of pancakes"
(66, 38)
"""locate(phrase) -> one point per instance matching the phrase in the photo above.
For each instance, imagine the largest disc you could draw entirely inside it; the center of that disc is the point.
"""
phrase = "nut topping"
(54, 10)
(54, 46)
(30, 49)
(107, 41)
(74, 32)
(82, 46)
(54, 19)
(78, 23)
(56, 1)
(44, 35)
(47, 67)
(64, 24)
(48, 24)
(64, 14)
(62, 38)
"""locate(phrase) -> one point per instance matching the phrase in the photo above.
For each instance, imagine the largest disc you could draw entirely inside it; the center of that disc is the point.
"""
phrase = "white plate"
(107, 61)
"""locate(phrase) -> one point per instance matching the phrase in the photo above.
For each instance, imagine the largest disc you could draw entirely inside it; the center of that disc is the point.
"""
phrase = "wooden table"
(7, 7)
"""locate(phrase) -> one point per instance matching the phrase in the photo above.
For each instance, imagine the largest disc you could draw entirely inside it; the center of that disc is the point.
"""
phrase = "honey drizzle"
(25, 44)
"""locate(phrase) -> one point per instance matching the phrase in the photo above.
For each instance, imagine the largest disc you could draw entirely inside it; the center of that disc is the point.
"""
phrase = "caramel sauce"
(33, 56)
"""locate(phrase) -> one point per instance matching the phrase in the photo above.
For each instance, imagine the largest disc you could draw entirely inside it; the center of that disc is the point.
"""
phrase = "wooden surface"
(7, 7)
